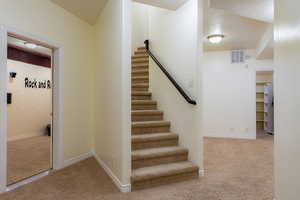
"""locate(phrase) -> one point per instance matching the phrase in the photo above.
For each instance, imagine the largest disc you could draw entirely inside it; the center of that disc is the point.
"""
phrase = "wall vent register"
(237, 56)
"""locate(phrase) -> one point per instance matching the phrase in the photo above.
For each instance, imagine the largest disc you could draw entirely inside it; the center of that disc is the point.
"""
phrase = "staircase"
(156, 157)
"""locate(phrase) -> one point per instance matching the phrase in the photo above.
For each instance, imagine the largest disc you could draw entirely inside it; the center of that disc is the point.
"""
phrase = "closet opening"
(264, 104)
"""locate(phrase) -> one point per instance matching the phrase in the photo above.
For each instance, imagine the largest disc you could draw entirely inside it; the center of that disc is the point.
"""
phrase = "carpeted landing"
(235, 170)
(28, 157)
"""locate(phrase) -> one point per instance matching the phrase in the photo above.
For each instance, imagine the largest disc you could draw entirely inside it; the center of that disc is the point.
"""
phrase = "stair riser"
(136, 185)
(154, 117)
(141, 73)
(154, 144)
(143, 56)
(158, 161)
(141, 67)
(140, 52)
(136, 97)
(133, 81)
(140, 61)
(140, 89)
(144, 107)
(144, 130)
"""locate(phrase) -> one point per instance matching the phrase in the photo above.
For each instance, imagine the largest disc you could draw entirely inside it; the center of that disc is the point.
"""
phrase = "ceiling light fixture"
(216, 38)
(30, 45)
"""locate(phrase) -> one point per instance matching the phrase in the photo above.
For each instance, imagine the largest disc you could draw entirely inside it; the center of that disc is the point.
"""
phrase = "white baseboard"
(77, 159)
(230, 137)
(118, 183)
(28, 180)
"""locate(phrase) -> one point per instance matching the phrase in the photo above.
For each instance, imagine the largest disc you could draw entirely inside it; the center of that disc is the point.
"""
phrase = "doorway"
(29, 109)
(264, 103)
(56, 124)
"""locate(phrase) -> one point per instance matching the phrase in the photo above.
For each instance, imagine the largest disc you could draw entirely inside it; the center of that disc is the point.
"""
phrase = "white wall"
(50, 22)
(140, 24)
(287, 98)
(175, 38)
(31, 108)
(229, 95)
(113, 89)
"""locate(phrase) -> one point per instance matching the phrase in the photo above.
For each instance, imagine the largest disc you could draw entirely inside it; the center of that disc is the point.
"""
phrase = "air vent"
(237, 56)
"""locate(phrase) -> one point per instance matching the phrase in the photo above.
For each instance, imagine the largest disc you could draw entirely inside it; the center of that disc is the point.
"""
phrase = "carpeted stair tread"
(143, 102)
(153, 137)
(140, 85)
(141, 93)
(144, 105)
(150, 124)
(140, 56)
(137, 71)
(158, 152)
(164, 170)
(140, 51)
(140, 65)
(140, 60)
(140, 78)
(146, 112)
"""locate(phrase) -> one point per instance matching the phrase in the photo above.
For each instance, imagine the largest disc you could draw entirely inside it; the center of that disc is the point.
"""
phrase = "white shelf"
(262, 82)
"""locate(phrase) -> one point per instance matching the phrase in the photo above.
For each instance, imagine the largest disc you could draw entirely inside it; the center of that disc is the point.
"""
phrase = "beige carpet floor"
(235, 170)
(28, 157)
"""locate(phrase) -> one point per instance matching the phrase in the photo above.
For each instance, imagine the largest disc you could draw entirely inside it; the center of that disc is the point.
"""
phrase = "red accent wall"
(17, 54)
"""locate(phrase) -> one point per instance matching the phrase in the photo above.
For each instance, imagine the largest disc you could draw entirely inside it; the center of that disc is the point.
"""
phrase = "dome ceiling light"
(216, 38)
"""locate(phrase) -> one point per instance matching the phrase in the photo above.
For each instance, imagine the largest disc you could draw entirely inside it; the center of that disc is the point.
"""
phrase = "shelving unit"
(263, 78)
(269, 108)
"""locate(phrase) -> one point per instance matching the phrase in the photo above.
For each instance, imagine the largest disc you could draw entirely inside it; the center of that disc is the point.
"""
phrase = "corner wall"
(112, 89)
(50, 22)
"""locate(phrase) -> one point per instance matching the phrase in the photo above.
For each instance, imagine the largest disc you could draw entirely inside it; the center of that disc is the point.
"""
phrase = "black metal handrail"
(163, 69)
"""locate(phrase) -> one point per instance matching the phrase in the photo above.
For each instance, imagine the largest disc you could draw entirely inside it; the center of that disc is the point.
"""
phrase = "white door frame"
(57, 70)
